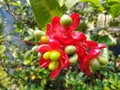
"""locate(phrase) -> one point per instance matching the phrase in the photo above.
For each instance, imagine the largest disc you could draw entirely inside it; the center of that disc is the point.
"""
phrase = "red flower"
(64, 35)
(60, 37)
(63, 60)
(90, 51)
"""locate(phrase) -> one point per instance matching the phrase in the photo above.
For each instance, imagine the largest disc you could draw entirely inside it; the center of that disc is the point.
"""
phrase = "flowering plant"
(62, 46)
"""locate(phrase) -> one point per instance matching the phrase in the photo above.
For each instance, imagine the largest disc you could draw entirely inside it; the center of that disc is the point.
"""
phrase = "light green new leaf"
(61, 2)
(70, 3)
(3, 74)
(44, 10)
(95, 3)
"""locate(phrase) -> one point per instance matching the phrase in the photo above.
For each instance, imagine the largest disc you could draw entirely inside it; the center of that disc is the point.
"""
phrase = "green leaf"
(3, 74)
(111, 2)
(44, 10)
(28, 57)
(5, 82)
(115, 10)
(70, 3)
(95, 3)
(2, 49)
(14, 4)
(61, 2)
(106, 39)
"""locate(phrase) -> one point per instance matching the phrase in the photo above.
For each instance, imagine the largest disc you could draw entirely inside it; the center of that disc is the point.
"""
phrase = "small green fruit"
(73, 59)
(38, 33)
(54, 56)
(103, 61)
(44, 39)
(70, 49)
(95, 65)
(34, 48)
(27, 61)
(46, 55)
(66, 20)
(53, 65)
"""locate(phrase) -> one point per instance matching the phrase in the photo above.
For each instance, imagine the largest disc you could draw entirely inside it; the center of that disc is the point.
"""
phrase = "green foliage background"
(22, 71)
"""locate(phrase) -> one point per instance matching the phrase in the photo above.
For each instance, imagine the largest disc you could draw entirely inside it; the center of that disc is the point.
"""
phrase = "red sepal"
(43, 48)
(55, 73)
(44, 63)
(75, 20)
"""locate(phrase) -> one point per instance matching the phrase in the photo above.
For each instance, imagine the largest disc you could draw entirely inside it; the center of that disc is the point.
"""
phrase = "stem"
(28, 42)
(115, 62)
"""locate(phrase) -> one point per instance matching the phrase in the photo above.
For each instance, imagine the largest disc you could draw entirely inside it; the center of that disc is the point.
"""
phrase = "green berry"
(54, 56)
(70, 49)
(103, 61)
(46, 55)
(34, 48)
(38, 33)
(66, 20)
(44, 39)
(73, 59)
(94, 64)
(53, 65)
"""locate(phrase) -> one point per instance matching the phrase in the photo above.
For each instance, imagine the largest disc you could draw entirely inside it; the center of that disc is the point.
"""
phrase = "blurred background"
(21, 19)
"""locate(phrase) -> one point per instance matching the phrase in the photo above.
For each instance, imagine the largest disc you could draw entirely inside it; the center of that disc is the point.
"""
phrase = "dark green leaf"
(111, 2)
(82, 26)
(44, 10)
(106, 39)
(115, 10)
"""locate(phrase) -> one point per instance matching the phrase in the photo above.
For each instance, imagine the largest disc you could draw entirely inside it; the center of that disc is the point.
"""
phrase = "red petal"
(83, 63)
(88, 70)
(54, 44)
(55, 30)
(44, 63)
(76, 20)
(66, 40)
(78, 36)
(56, 21)
(55, 73)
(43, 48)
(84, 66)
(92, 44)
(101, 46)
(64, 61)
(93, 53)
(49, 30)
(40, 43)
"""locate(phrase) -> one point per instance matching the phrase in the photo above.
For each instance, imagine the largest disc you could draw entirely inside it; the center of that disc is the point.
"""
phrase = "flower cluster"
(62, 46)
